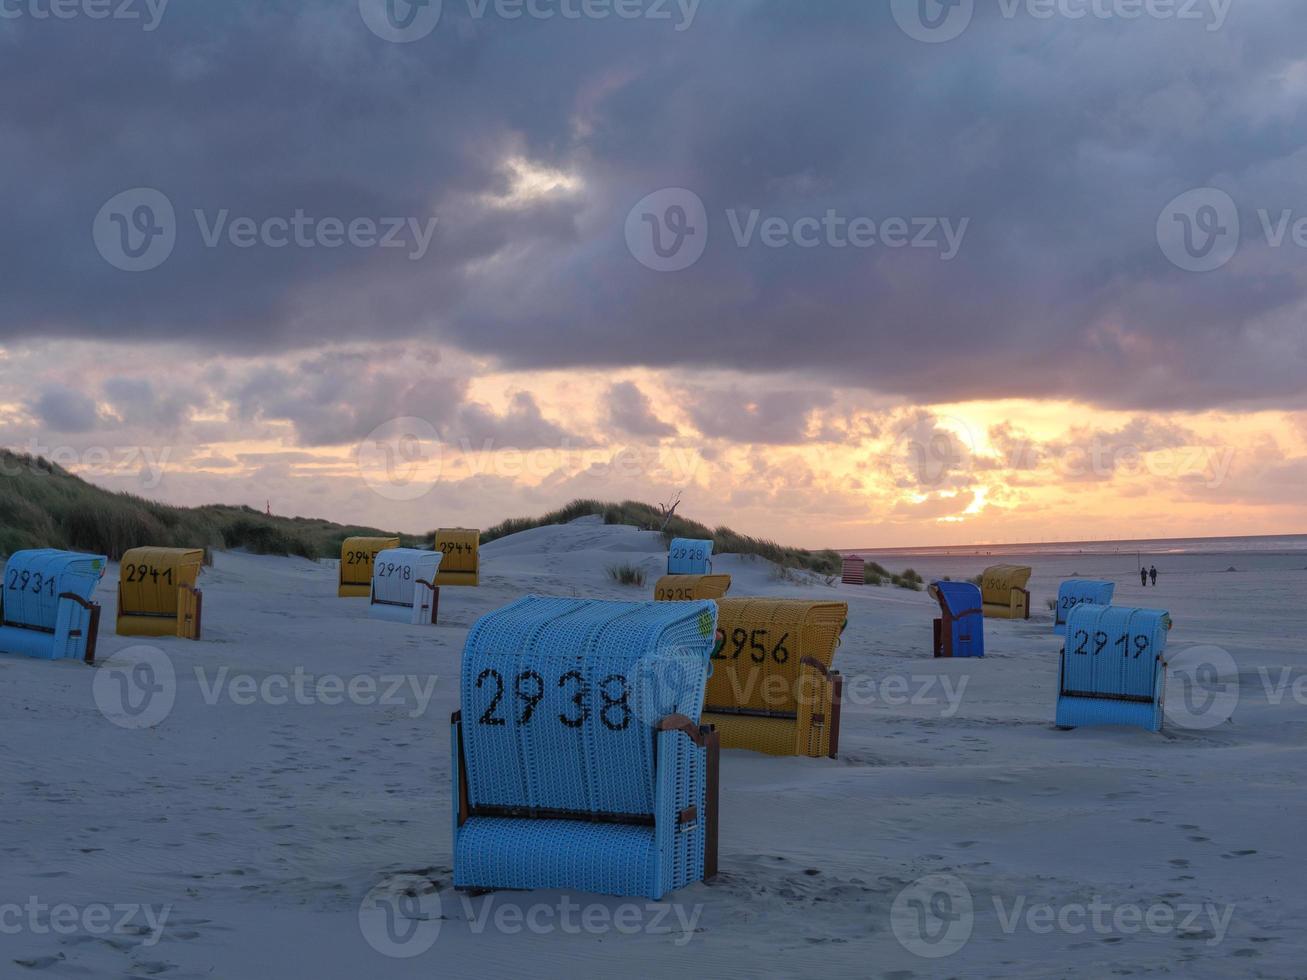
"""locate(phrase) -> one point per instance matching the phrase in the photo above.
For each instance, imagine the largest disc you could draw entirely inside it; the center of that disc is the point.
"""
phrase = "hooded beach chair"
(1112, 669)
(403, 586)
(687, 588)
(357, 556)
(1003, 589)
(772, 688)
(689, 573)
(461, 564)
(853, 570)
(688, 556)
(1080, 592)
(578, 759)
(46, 607)
(960, 632)
(157, 594)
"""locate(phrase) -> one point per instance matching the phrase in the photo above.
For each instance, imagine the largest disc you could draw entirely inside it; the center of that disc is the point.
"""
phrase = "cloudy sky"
(843, 272)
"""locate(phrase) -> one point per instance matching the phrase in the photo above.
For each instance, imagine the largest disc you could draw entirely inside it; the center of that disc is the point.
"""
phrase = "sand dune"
(262, 826)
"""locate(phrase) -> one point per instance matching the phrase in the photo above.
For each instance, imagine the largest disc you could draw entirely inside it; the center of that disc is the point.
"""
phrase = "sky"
(849, 274)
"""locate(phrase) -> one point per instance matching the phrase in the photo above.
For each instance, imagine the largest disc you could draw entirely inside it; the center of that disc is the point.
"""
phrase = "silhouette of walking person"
(1143, 577)
(1152, 573)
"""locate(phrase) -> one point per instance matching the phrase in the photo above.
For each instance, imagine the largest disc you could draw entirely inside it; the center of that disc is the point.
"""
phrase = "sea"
(1283, 544)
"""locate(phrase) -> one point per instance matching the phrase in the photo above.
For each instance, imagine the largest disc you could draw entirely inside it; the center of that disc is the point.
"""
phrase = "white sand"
(264, 826)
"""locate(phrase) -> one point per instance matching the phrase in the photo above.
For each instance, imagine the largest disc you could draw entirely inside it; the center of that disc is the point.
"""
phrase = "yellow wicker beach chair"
(157, 594)
(461, 564)
(688, 588)
(772, 689)
(1003, 591)
(356, 558)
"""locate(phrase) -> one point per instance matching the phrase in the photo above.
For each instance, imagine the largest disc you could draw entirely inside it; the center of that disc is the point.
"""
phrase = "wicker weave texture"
(688, 588)
(758, 668)
(1112, 670)
(1080, 592)
(560, 701)
(38, 622)
(689, 556)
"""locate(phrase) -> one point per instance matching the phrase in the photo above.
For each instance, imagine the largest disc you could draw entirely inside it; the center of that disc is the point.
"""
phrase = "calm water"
(1280, 544)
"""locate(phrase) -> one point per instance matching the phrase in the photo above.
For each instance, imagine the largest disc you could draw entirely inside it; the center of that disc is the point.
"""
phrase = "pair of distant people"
(1146, 573)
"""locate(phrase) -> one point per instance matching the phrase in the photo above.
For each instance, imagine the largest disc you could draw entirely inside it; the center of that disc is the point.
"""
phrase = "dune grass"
(627, 575)
(725, 540)
(42, 505)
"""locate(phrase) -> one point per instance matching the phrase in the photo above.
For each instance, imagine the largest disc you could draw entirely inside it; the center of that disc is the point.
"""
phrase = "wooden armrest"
(681, 723)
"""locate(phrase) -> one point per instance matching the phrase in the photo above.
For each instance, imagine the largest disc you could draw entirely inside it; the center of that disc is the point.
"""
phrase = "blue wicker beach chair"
(579, 761)
(1112, 670)
(1079, 592)
(687, 556)
(960, 632)
(47, 610)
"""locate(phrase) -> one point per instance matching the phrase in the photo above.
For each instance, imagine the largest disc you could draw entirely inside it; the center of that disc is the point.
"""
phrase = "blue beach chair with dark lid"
(960, 632)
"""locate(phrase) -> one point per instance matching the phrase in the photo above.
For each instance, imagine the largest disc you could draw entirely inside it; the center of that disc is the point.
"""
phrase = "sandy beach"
(300, 763)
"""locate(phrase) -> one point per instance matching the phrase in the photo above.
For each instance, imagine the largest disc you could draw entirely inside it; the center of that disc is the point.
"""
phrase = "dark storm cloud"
(65, 410)
(1058, 142)
(630, 410)
(522, 427)
(339, 397)
(762, 418)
